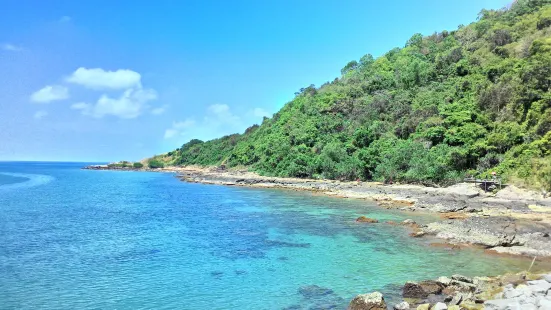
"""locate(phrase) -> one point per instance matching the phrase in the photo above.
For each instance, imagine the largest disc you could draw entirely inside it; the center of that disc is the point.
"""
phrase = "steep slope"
(451, 104)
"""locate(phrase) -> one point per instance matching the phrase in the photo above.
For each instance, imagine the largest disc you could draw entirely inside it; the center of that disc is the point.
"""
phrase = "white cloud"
(80, 106)
(98, 78)
(11, 47)
(220, 114)
(159, 110)
(260, 112)
(178, 128)
(219, 120)
(50, 93)
(130, 104)
(40, 114)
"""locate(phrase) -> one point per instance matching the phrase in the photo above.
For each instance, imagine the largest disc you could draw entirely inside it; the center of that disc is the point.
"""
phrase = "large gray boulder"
(544, 303)
(539, 287)
(547, 277)
(502, 304)
(371, 301)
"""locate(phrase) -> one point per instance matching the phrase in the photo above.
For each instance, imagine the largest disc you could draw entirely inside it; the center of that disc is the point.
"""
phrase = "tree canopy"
(463, 102)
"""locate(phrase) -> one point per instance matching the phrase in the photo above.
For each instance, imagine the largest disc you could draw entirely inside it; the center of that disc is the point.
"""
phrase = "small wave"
(32, 180)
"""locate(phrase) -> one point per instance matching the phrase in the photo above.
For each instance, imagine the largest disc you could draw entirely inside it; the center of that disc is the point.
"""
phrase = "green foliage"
(137, 165)
(476, 99)
(155, 163)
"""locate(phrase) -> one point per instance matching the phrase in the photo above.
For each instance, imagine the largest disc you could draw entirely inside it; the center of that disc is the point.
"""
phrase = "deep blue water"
(79, 239)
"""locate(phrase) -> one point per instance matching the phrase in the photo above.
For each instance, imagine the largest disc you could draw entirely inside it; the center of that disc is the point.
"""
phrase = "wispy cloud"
(260, 112)
(159, 110)
(219, 120)
(40, 114)
(179, 128)
(11, 47)
(65, 19)
(50, 93)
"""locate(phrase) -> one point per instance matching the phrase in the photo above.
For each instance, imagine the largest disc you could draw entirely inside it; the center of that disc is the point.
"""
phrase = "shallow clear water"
(72, 238)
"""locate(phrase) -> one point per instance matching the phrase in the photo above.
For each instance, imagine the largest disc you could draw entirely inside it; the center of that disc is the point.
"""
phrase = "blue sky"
(112, 80)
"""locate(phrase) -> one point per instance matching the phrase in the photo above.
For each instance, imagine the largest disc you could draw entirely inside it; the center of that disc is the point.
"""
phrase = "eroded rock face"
(371, 301)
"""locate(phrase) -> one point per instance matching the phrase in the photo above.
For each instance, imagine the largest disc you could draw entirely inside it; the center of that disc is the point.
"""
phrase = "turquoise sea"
(79, 239)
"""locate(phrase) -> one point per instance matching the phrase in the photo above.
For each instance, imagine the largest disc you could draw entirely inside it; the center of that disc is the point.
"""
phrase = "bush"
(155, 164)
(137, 165)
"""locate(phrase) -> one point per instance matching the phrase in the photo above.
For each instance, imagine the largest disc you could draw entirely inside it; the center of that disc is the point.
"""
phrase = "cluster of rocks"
(534, 295)
(502, 234)
(509, 292)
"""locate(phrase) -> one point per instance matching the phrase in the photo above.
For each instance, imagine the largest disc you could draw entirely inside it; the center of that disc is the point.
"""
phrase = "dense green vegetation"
(155, 163)
(464, 102)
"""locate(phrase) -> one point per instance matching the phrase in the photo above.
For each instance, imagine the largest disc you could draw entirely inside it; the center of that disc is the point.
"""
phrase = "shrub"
(137, 165)
(155, 164)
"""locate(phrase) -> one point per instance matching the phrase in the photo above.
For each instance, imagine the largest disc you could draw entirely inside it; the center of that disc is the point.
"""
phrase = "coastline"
(512, 222)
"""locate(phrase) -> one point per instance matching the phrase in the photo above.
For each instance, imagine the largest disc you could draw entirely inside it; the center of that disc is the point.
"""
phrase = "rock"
(413, 290)
(409, 222)
(418, 234)
(457, 298)
(439, 306)
(311, 291)
(434, 299)
(463, 286)
(363, 219)
(422, 289)
(444, 281)
(520, 291)
(404, 305)
(539, 286)
(454, 307)
(502, 304)
(544, 303)
(461, 278)
(547, 277)
(423, 307)
(371, 301)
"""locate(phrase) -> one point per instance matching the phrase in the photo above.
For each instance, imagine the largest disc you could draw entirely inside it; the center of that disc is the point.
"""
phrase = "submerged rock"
(363, 219)
(423, 307)
(313, 291)
(371, 301)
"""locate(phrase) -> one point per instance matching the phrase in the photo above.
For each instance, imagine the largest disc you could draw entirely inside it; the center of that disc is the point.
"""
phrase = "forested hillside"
(463, 102)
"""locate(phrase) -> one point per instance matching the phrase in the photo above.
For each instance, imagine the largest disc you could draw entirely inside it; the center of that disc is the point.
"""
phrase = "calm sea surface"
(78, 239)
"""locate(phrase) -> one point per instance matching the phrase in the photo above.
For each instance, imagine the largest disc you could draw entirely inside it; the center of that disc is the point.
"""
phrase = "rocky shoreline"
(508, 292)
(512, 221)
